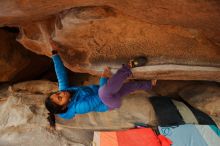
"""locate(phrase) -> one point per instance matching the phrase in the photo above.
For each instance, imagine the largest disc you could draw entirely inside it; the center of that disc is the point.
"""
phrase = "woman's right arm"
(104, 77)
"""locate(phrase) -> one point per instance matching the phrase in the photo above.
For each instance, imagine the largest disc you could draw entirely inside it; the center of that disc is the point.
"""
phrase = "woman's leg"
(114, 101)
(115, 83)
(113, 86)
(109, 93)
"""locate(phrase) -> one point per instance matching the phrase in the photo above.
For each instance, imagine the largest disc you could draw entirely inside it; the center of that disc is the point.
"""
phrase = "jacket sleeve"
(61, 72)
(102, 81)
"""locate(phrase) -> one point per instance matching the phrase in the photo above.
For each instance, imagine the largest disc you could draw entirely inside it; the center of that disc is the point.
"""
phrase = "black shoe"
(137, 62)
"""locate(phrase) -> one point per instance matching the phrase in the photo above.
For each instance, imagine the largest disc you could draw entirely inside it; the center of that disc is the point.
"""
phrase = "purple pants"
(115, 88)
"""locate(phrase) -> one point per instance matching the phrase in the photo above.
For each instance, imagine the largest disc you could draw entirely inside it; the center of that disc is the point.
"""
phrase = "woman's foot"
(137, 62)
(153, 82)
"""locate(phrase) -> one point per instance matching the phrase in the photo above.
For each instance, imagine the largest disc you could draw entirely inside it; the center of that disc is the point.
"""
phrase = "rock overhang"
(180, 41)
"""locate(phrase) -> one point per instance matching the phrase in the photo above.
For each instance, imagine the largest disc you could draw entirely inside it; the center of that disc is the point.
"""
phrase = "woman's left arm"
(61, 72)
(60, 69)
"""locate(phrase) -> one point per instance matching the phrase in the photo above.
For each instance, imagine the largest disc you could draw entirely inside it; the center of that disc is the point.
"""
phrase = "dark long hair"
(53, 109)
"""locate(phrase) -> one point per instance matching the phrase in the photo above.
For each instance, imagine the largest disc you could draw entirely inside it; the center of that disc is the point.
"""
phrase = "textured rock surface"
(16, 62)
(94, 34)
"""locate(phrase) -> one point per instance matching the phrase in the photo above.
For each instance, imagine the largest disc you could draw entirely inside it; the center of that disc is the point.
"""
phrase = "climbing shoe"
(137, 62)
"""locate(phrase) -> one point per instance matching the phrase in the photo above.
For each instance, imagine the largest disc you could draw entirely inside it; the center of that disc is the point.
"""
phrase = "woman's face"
(61, 98)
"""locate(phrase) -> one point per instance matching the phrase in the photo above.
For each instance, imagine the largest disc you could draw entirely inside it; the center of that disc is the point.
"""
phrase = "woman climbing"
(70, 101)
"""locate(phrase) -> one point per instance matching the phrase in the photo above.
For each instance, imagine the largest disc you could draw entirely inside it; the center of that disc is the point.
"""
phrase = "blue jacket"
(85, 98)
